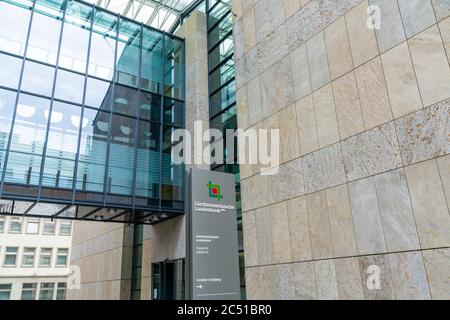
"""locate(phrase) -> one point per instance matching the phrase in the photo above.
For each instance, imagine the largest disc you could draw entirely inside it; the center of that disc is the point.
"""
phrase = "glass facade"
(88, 100)
(222, 96)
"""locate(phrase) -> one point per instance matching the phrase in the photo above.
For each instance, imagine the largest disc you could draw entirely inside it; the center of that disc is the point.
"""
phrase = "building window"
(15, 225)
(49, 227)
(2, 224)
(45, 259)
(28, 257)
(5, 291)
(46, 291)
(29, 291)
(65, 228)
(10, 256)
(61, 257)
(33, 225)
(61, 291)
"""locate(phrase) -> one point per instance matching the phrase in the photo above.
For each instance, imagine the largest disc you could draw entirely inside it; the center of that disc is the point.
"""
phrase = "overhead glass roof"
(160, 14)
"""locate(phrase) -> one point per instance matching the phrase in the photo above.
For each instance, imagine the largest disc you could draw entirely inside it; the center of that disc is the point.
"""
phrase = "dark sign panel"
(213, 259)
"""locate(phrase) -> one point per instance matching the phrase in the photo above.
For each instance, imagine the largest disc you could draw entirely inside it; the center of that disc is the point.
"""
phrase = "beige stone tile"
(318, 61)
(254, 192)
(429, 205)
(396, 212)
(300, 72)
(246, 68)
(368, 266)
(242, 107)
(289, 138)
(238, 8)
(307, 128)
(263, 220)
(333, 9)
(373, 94)
(441, 8)
(431, 65)
(401, 81)
(281, 242)
(341, 222)
(444, 166)
(437, 266)
(272, 48)
(371, 152)
(285, 282)
(268, 16)
(349, 279)
(254, 101)
(444, 27)
(366, 217)
(408, 276)
(268, 284)
(325, 275)
(304, 281)
(319, 225)
(338, 48)
(252, 283)
(291, 7)
(249, 30)
(250, 239)
(299, 229)
(277, 89)
(348, 108)
(238, 39)
(363, 43)
(417, 15)
(323, 168)
(327, 127)
(287, 183)
(424, 134)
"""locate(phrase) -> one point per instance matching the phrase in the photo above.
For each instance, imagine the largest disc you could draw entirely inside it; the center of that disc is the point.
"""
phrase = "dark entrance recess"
(168, 280)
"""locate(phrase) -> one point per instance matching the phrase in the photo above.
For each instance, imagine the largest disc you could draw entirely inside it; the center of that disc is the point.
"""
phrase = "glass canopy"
(160, 14)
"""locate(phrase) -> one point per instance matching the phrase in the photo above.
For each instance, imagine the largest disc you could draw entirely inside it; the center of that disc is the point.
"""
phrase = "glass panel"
(172, 182)
(9, 71)
(220, 31)
(30, 124)
(23, 168)
(103, 44)
(121, 156)
(14, 23)
(174, 69)
(58, 173)
(225, 120)
(150, 106)
(218, 11)
(128, 53)
(91, 168)
(173, 112)
(221, 52)
(125, 100)
(222, 99)
(38, 78)
(44, 38)
(98, 94)
(69, 86)
(75, 39)
(147, 162)
(221, 75)
(7, 101)
(151, 61)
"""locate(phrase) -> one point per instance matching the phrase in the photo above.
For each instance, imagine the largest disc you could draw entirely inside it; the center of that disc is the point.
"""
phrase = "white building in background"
(34, 258)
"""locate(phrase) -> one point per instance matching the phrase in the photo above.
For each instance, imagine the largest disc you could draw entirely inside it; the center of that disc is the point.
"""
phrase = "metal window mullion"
(77, 156)
(215, 24)
(113, 84)
(136, 131)
(161, 119)
(47, 130)
(13, 120)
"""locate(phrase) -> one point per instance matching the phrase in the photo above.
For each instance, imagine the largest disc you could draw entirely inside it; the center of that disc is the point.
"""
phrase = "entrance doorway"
(168, 280)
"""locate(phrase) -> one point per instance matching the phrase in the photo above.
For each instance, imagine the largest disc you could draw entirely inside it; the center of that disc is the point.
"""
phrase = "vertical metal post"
(50, 111)
(113, 86)
(13, 120)
(77, 156)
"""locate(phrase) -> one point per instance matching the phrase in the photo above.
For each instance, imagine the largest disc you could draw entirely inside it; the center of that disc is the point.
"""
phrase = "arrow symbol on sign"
(200, 286)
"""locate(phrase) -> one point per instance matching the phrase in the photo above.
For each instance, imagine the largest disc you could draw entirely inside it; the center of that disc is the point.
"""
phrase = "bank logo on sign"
(214, 191)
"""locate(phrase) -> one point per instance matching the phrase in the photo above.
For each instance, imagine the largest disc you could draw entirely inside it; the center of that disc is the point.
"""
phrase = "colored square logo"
(214, 191)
